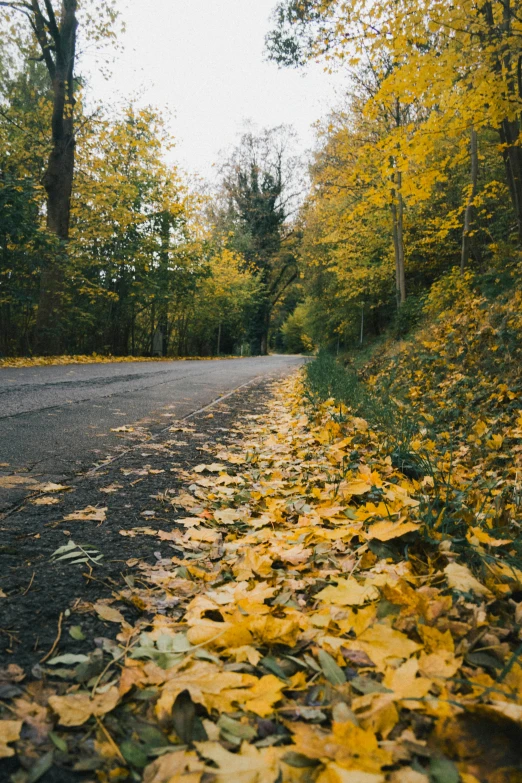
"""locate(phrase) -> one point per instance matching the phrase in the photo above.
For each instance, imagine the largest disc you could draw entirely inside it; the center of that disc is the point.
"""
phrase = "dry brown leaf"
(108, 613)
(9, 482)
(51, 487)
(45, 501)
(76, 708)
(88, 514)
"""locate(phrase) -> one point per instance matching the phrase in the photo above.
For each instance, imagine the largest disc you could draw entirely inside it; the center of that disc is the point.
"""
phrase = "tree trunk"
(58, 177)
(512, 154)
(397, 210)
(470, 207)
(400, 238)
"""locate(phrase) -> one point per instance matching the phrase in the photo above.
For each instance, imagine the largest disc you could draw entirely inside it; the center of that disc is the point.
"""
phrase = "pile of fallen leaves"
(313, 624)
(96, 358)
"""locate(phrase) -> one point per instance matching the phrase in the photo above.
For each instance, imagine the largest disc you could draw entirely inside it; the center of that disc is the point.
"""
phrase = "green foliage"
(408, 315)
(257, 178)
(295, 331)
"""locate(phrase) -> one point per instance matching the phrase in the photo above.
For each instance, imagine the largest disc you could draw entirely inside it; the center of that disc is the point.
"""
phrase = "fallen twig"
(30, 584)
(56, 641)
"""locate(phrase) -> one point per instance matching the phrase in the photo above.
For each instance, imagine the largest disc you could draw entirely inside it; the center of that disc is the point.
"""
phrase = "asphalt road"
(56, 422)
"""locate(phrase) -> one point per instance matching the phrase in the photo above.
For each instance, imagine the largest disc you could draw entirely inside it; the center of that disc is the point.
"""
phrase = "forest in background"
(106, 246)
(412, 196)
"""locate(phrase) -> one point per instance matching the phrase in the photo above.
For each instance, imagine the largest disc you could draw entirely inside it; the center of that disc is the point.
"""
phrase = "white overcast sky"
(203, 60)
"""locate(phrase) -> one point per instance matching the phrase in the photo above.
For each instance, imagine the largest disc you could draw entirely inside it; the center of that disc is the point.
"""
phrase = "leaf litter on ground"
(308, 627)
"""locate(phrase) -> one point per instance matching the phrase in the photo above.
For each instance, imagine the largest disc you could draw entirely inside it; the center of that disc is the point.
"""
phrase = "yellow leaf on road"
(250, 765)
(295, 554)
(404, 682)
(357, 487)
(45, 501)
(9, 732)
(76, 708)
(88, 514)
(336, 774)
(441, 664)
(227, 516)
(171, 767)
(262, 697)
(50, 487)
(384, 646)
(9, 482)
(108, 613)
(348, 592)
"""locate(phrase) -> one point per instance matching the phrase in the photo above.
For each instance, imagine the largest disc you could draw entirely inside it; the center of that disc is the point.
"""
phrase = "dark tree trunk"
(512, 154)
(58, 45)
(470, 207)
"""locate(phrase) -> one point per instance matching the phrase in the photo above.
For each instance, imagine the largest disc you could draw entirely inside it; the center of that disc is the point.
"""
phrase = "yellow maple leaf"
(385, 531)
(250, 765)
(384, 646)
(207, 684)
(441, 664)
(480, 427)
(275, 630)
(253, 562)
(435, 640)
(263, 695)
(9, 732)
(348, 592)
(476, 534)
(404, 682)
(333, 773)
(76, 708)
(348, 745)
(460, 578)
(180, 765)
(356, 487)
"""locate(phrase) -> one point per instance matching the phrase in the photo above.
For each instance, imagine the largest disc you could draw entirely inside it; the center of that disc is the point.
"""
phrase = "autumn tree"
(24, 104)
(460, 57)
(53, 26)
(260, 183)
(133, 250)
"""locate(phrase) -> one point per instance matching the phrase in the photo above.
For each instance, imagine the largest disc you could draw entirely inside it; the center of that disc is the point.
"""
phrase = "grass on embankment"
(446, 407)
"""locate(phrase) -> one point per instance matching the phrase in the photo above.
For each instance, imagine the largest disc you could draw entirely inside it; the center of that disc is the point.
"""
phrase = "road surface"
(56, 422)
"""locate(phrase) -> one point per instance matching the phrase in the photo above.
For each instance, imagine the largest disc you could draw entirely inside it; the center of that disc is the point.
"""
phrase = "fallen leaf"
(76, 708)
(9, 732)
(250, 765)
(45, 501)
(348, 592)
(8, 482)
(50, 487)
(460, 578)
(88, 514)
(108, 613)
(263, 695)
(386, 531)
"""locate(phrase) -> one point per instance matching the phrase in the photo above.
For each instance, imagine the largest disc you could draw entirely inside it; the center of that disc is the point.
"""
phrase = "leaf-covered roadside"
(314, 624)
(95, 358)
